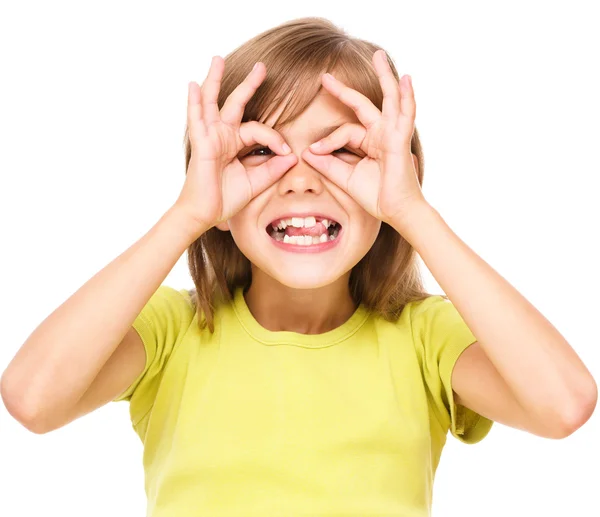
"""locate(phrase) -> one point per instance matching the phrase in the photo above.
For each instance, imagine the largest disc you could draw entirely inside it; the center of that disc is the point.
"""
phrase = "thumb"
(265, 175)
(334, 169)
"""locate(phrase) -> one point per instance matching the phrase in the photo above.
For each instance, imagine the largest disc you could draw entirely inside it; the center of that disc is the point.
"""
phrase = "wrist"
(183, 222)
(412, 217)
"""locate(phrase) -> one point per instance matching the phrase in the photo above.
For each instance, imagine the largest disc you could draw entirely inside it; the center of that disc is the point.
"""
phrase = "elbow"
(27, 414)
(578, 412)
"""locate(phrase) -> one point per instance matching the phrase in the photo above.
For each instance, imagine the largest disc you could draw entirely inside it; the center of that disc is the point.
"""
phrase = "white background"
(92, 114)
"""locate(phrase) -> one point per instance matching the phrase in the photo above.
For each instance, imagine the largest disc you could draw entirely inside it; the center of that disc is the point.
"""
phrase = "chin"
(304, 281)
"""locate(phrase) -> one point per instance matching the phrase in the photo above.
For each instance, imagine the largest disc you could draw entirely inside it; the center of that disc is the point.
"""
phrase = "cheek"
(368, 224)
(374, 227)
(239, 230)
(243, 228)
(368, 231)
(244, 219)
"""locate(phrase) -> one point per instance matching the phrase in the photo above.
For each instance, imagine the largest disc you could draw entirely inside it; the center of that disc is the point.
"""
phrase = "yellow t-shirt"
(248, 422)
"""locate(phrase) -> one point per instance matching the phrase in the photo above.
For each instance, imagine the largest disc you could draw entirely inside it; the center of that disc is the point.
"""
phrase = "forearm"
(63, 355)
(534, 359)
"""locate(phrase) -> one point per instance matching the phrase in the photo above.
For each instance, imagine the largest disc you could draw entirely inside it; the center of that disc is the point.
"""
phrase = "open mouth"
(304, 231)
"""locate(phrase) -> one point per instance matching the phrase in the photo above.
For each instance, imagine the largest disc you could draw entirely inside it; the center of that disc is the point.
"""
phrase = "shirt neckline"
(286, 337)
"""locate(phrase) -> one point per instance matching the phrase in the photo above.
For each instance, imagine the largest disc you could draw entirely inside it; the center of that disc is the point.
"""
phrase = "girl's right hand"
(217, 184)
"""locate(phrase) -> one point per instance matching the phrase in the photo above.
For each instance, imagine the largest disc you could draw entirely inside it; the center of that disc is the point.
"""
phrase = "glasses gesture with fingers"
(384, 182)
(217, 184)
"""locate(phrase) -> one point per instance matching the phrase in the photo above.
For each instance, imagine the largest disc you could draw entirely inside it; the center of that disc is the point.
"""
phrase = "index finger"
(365, 110)
(209, 92)
(389, 86)
(232, 111)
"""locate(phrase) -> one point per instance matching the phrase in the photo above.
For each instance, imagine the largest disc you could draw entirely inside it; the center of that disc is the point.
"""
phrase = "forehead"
(324, 111)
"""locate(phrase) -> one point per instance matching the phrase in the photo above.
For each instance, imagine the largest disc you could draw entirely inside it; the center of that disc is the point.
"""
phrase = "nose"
(301, 179)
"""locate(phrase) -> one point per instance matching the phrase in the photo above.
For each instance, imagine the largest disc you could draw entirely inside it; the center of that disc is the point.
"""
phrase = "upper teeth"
(300, 222)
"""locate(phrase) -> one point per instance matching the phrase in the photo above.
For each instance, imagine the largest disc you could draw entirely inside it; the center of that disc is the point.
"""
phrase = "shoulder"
(436, 327)
(169, 306)
(433, 302)
(413, 311)
(435, 310)
(183, 299)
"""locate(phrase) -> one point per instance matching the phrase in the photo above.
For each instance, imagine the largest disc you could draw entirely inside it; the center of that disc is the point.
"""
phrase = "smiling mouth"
(304, 231)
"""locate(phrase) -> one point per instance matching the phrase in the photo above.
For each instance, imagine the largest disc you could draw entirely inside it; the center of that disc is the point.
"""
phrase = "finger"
(334, 169)
(389, 86)
(233, 109)
(365, 110)
(263, 176)
(350, 134)
(194, 108)
(407, 102)
(254, 132)
(210, 91)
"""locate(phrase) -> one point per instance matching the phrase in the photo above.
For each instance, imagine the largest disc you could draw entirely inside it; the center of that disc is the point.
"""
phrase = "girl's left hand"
(384, 182)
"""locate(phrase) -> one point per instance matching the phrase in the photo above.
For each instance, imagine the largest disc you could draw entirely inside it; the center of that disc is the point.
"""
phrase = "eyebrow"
(325, 131)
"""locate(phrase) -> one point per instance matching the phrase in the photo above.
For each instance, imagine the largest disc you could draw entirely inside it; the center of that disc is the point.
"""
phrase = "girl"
(308, 373)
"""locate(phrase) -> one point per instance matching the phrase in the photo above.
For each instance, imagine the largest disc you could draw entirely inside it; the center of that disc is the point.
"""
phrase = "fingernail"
(255, 66)
(329, 76)
(286, 148)
(316, 145)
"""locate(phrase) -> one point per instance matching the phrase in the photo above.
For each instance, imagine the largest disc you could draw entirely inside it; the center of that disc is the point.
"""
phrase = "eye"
(258, 151)
(262, 148)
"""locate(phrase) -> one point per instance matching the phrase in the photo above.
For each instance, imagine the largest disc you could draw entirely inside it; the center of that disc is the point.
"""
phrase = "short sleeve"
(442, 336)
(161, 326)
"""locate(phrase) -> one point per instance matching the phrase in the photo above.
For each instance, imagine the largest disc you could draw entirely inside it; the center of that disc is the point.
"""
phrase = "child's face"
(303, 191)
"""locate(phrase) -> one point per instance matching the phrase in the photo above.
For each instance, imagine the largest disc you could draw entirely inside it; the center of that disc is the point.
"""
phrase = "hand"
(217, 185)
(384, 182)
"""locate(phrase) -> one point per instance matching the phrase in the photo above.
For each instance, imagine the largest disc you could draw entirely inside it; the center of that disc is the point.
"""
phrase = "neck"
(277, 307)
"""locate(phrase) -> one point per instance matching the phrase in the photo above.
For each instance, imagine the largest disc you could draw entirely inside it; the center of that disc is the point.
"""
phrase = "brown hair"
(296, 54)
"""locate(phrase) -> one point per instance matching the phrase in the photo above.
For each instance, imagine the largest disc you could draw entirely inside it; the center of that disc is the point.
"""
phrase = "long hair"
(296, 54)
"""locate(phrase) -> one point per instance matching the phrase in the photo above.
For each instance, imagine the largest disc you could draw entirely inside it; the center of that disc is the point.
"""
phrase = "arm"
(521, 371)
(43, 385)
